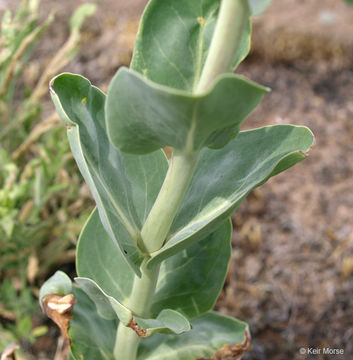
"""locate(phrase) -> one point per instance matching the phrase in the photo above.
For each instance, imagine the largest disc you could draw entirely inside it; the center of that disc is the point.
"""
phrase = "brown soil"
(291, 275)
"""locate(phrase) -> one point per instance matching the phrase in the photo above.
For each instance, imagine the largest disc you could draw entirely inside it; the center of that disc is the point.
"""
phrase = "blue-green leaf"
(59, 284)
(92, 337)
(143, 116)
(124, 186)
(223, 178)
(107, 306)
(174, 39)
(210, 332)
(167, 321)
(189, 282)
(99, 260)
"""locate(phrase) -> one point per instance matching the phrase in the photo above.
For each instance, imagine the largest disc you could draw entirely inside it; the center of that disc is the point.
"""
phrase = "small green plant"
(18, 307)
(152, 258)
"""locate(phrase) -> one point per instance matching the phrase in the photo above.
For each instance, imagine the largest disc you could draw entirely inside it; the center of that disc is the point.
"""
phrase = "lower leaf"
(189, 282)
(212, 334)
(92, 337)
(167, 321)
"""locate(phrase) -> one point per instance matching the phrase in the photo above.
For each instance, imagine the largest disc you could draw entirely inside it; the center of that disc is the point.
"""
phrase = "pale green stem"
(140, 304)
(159, 221)
(156, 228)
(231, 21)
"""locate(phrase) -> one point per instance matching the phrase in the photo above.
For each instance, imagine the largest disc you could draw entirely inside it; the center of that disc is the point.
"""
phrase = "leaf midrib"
(130, 227)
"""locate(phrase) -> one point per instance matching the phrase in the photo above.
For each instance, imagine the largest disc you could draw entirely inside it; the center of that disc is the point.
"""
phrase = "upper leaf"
(223, 178)
(124, 186)
(210, 333)
(143, 116)
(173, 41)
(189, 282)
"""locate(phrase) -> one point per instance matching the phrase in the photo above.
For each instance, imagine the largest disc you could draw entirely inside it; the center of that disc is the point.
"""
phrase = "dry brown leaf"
(58, 308)
(232, 352)
(347, 267)
(32, 267)
(140, 332)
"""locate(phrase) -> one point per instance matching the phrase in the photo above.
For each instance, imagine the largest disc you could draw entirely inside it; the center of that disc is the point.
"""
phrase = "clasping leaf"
(143, 116)
(108, 307)
(189, 282)
(173, 41)
(223, 178)
(124, 186)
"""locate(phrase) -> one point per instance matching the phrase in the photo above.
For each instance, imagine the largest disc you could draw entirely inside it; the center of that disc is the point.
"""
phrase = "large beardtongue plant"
(153, 256)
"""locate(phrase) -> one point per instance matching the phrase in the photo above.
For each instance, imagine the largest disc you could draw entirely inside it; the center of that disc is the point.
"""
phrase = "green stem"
(154, 233)
(231, 21)
(140, 304)
(159, 221)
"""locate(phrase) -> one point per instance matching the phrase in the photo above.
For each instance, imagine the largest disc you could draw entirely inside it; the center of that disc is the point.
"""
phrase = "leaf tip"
(51, 90)
(307, 152)
(232, 352)
(59, 308)
(51, 85)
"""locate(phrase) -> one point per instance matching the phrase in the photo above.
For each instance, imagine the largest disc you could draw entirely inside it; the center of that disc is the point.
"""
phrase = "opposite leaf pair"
(125, 186)
(188, 285)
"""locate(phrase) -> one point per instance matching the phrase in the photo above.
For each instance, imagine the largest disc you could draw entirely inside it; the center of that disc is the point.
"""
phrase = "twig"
(58, 62)
(19, 52)
(49, 123)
